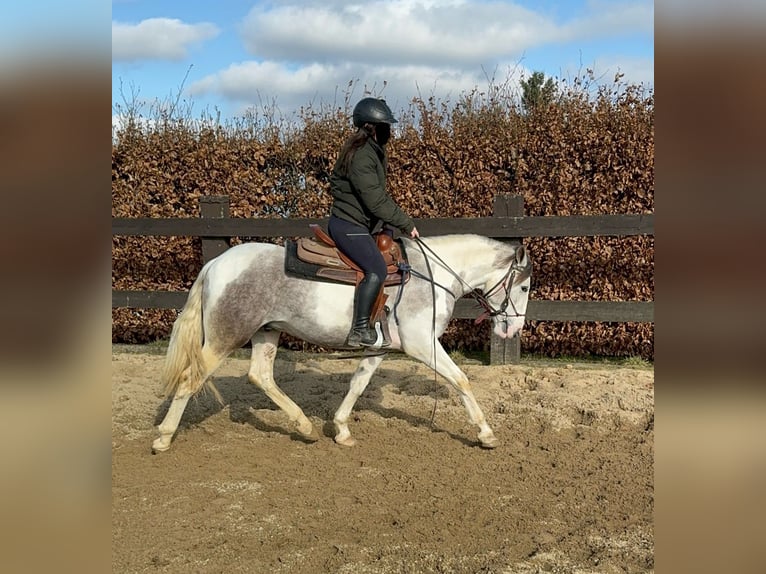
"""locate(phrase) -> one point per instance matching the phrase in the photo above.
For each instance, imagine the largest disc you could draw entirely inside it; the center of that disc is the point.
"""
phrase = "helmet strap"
(369, 129)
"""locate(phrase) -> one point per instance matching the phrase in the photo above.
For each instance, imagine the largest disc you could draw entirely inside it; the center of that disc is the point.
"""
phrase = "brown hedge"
(584, 153)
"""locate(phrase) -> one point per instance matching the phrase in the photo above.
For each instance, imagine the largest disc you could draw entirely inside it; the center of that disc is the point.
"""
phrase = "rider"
(358, 186)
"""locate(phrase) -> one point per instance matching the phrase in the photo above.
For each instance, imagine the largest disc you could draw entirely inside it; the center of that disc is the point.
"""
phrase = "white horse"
(244, 294)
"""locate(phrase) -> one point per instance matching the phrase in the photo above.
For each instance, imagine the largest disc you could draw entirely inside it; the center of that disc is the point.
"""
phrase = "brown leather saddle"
(317, 258)
(335, 266)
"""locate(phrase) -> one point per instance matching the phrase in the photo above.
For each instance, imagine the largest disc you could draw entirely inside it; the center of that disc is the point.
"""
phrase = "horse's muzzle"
(508, 327)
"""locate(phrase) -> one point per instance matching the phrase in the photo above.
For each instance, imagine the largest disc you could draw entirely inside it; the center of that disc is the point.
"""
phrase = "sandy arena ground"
(569, 489)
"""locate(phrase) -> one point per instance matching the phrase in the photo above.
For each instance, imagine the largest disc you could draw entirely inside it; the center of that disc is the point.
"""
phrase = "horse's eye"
(524, 288)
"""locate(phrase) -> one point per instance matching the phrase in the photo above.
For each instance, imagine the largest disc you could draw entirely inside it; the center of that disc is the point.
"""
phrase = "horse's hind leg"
(357, 385)
(446, 367)
(261, 374)
(185, 391)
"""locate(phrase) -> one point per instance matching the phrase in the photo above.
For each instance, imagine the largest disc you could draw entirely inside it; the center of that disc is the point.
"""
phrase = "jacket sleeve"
(364, 177)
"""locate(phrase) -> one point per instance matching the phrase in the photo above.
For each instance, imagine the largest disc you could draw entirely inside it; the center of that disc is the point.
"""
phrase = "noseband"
(483, 299)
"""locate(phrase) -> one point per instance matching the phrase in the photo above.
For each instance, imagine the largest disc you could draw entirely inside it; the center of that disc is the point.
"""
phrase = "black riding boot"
(361, 334)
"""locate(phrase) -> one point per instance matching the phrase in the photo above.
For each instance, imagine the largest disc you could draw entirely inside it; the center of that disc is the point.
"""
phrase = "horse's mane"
(469, 243)
(506, 253)
(462, 239)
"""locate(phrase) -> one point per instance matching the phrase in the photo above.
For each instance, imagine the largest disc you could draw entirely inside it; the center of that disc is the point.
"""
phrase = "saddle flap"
(321, 236)
(312, 251)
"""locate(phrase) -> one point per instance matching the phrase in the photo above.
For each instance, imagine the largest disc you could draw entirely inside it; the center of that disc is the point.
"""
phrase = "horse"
(245, 294)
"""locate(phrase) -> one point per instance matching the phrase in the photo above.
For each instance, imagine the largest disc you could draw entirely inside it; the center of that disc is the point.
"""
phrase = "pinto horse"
(244, 294)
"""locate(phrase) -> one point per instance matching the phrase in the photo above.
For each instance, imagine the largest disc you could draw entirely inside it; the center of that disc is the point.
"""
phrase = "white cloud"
(157, 39)
(419, 33)
(328, 84)
(444, 32)
(610, 19)
(307, 51)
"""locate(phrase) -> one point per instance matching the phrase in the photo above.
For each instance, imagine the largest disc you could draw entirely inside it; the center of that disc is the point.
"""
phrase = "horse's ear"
(521, 254)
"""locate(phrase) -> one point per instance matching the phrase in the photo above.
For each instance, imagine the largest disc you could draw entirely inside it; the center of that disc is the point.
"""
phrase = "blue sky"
(229, 56)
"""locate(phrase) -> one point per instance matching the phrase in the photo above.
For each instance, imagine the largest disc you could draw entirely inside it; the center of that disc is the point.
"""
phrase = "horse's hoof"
(307, 429)
(489, 442)
(345, 441)
(310, 437)
(160, 445)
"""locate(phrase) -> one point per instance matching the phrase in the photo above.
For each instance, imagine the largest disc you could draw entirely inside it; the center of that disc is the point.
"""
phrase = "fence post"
(504, 351)
(214, 207)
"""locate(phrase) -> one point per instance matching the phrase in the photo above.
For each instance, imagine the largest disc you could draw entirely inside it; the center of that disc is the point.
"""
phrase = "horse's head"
(507, 292)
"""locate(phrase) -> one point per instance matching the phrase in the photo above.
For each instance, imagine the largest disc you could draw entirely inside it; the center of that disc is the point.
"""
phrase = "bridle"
(482, 299)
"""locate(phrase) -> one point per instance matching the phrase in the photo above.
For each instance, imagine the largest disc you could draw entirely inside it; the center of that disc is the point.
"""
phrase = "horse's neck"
(470, 257)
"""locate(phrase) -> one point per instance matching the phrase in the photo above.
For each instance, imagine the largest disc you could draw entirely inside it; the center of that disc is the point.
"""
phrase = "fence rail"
(505, 227)
(610, 311)
(215, 227)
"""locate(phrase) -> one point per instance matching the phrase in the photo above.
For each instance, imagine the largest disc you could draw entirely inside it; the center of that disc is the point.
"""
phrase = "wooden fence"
(215, 227)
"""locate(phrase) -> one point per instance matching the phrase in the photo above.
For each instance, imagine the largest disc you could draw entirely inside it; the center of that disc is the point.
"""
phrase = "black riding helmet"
(372, 111)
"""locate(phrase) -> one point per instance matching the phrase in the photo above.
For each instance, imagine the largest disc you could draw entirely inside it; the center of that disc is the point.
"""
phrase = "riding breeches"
(356, 242)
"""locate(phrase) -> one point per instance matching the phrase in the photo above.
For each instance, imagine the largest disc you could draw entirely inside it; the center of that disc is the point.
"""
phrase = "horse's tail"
(184, 360)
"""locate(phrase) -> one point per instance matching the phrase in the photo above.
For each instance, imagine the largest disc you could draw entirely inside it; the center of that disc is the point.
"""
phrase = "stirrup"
(366, 337)
(381, 333)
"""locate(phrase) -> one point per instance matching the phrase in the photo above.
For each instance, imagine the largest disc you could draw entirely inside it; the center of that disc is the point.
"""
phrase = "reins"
(481, 298)
(433, 320)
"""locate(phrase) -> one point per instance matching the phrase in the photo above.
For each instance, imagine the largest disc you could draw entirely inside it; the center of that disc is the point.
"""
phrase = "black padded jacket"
(361, 196)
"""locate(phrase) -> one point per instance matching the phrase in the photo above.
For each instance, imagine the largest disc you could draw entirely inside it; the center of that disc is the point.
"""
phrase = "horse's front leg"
(446, 367)
(358, 383)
